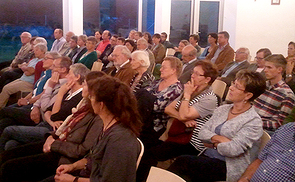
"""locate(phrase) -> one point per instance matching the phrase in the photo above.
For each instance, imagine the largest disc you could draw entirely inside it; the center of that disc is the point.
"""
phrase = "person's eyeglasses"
(196, 73)
(233, 83)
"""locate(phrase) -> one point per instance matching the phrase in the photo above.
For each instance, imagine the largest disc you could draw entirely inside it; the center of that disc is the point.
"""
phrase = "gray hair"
(142, 55)
(40, 40)
(143, 41)
(124, 50)
(54, 55)
(42, 47)
(80, 69)
(247, 51)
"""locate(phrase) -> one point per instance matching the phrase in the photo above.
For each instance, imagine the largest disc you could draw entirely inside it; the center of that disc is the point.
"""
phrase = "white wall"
(162, 16)
(259, 24)
(73, 16)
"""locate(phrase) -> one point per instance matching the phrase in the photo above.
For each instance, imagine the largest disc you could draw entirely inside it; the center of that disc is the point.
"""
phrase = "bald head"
(189, 53)
(69, 35)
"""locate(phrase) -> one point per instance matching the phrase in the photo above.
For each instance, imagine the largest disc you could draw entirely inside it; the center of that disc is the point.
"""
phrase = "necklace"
(231, 111)
(107, 126)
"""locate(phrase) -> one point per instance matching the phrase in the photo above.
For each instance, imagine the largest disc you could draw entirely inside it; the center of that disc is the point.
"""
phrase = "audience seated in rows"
(191, 110)
(114, 157)
(72, 50)
(106, 35)
(276, 161)
(142, 45)
(193, 40)
(165, 42)
(140, 63)
(189, 59)
(228, 135)
(91, 55)
(122, 67)
(69, 143)
(222, 54)
(82, 48)
(25, 82)
(212, 40)
(259, 66)
(178, 50)
(69, 95)
(276, 103)
(152, 103)
(26, 110)
(59, 40)
(66, 45)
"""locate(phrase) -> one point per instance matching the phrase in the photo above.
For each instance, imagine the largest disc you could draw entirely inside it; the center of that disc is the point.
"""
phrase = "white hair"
(124, 50)
(142, 55)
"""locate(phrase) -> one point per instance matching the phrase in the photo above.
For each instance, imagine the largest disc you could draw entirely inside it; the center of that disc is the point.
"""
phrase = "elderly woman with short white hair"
(140, 62)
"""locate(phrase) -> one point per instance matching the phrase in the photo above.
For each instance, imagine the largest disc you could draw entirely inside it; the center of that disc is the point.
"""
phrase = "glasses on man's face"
(196, 73)
(233, 83)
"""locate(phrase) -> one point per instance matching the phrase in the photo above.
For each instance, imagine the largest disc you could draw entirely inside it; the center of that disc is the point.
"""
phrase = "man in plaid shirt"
(278, 100)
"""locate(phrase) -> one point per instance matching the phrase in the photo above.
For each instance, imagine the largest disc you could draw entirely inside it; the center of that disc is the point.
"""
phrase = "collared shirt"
(274, 105)
(102, 45)
(278, 157)
(72, 94)
(216, 54)
(233, 66)
(185, 64)
(57, 44)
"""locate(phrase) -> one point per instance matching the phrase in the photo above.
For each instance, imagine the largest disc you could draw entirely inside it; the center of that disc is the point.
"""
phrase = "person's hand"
(53, 80)
(35, 114)
(47, 144)
(55, 124)
(66, 87)
(191, 124)
(64, 178)
(22, 102)
(189, 88)
(65, 168)
(219, 139)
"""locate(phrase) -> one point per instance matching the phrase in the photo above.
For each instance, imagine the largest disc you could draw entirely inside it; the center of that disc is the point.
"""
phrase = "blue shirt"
(32, 64)
(278, 157)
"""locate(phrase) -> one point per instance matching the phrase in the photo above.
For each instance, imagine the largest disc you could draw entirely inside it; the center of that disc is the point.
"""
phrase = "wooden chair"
(219, 87)
(141, 152)
(170, 52)
(259, 145)
(97, 66)
(161, 175)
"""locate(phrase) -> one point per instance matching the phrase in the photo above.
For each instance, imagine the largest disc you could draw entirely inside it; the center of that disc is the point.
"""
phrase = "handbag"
(179, 133)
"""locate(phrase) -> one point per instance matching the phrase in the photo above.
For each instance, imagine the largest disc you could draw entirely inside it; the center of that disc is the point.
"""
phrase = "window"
(180, 20)
(117, 16)
(40, 18)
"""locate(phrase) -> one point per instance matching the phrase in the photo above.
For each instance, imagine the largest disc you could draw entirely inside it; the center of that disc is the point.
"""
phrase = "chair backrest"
(161, 175)
(97, 66)
(141, 152)
(218, 87)
(264, 139)
(258, 146)
(170, 52)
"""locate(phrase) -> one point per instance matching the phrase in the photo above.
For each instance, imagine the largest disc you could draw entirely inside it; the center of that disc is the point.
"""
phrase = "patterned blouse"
(164, 97)
(145, 81)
